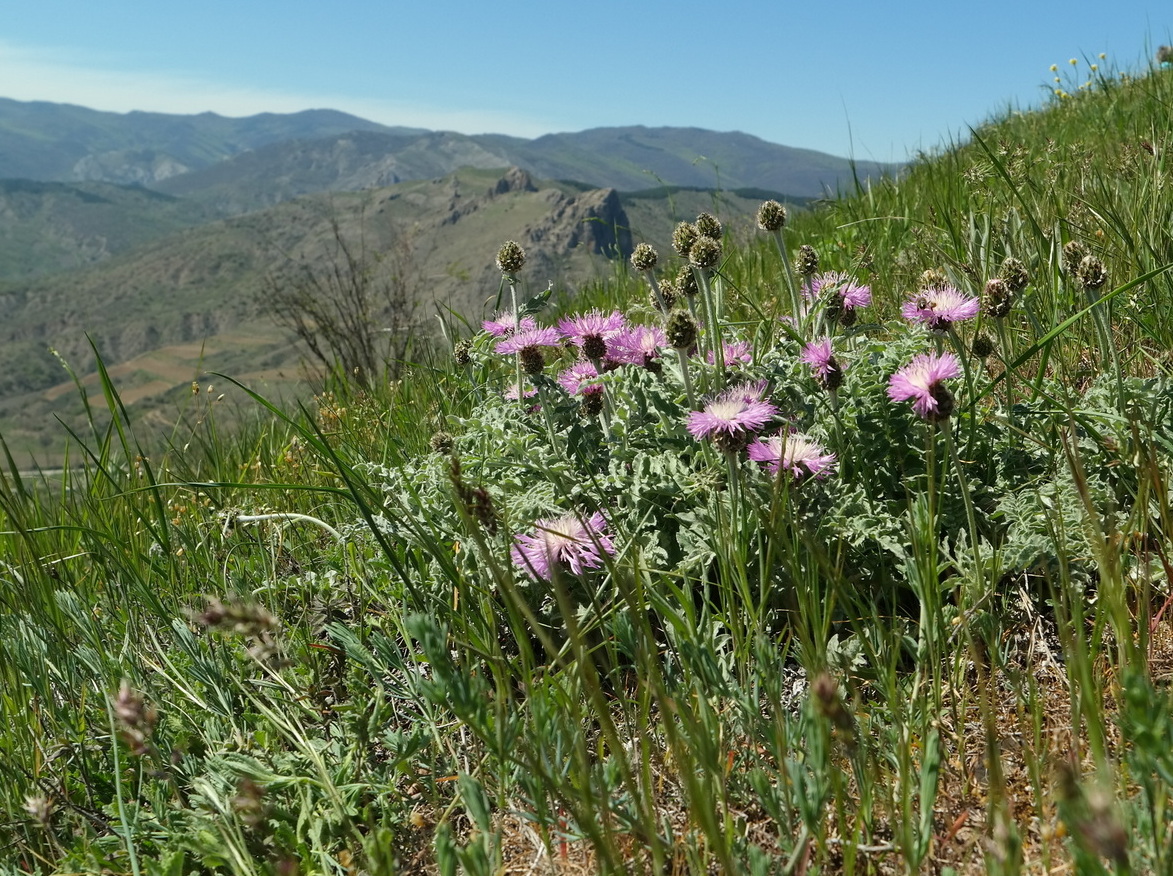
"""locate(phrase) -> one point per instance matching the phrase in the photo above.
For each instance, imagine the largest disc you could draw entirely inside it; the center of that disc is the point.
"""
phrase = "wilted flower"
(566, 542)
(732, 415)
(997, 298)
(1073, 253)
(796, 453)
(1014, 272)
(921, 381)
(938, 307)
(1092, 273)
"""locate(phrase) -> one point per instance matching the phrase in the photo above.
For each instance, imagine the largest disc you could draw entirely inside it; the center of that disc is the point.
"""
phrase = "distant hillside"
(61, 142)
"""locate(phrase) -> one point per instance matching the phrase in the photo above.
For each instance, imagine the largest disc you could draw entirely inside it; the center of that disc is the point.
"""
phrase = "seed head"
(933, 278)
(461, 352)
(771, 216)
(532, 361)
(441, 443)
(1073, 253)
(686, 282)
(681, 330)
(997, 298)
(1092, 273)
(592, 400)
(668, 293)
(510, 258)
(705, 253)
(644, 257)
(807, 260)
(1014, 272)
(683, 237)
(708, 225)
(982, 347)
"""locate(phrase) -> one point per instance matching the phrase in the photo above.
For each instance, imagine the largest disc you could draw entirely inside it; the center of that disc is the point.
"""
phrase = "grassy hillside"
(880, 587)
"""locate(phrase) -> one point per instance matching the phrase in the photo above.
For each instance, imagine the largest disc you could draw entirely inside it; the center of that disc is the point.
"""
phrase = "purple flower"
(593, 332)
(736, 351)
(505, 322)
(637, 345)
(848, 294)
(921, 381)
(796, 453)
(819, 356)
(563, 542)
(578, 376)
(731, 416)
(938, 307)
(534, 337)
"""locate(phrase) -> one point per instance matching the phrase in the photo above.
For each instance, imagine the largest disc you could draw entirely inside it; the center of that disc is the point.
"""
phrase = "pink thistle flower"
(819, 356)
(578, 376)
(637, 345)
(921, 381)
(847, 293)
(505, 323)
(593, 332)
(534, 337)
(796, 453)
(566, 542)
(731, 416)
(938, 307)
(735, 351)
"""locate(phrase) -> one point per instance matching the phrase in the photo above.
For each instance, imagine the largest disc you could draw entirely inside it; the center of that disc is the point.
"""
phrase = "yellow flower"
(1095, 67)
(1073, 61)
(1054, 68)
(1102, 56)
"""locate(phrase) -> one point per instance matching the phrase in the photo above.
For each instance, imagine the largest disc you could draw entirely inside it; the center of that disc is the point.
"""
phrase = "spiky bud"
(683, 237)
(532, 361)
(708, 225)
(441, 443)
(1092, 273)
(592, 400)
(686, 282)
(807, 260)
(933, 278)
(705, 253)
(644, 257)
(510, 258)
(668, 294)
(681, 330)
(945, 403)
(997, 298)
(1014, 272)
(1073, 253)
(771, 216)
(594, 347)
(982, 347)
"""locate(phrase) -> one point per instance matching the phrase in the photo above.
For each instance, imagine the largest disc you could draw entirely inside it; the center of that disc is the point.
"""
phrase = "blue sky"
(871, 79)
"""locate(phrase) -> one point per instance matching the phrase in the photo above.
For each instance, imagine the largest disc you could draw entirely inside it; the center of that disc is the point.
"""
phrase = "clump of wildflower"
(593, 332)
(683, 237)
(1074, 252)
(819, 356)
(1014, 272)
(705, 253)
(644, 257)
(806, 262)
(730, 417)
(938, 307)
(563, 543)
(504, 323)
(681, 330)
(510, 258)
(733, 352)
(997, 298)
(1091, 272)
(796, 453)
(771, 216)
(922, 381)
(708, 225)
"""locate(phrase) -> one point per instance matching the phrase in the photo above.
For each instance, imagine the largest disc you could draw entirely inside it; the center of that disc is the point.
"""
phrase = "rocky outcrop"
(594, 220)
(142, 167)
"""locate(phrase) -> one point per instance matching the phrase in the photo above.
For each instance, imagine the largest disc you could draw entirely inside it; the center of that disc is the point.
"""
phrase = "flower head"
(638, 345)
(505, 322)
(578, 377)
(732, 415)
(593, 332)
(921, 381)
(938, 307)
(796, 453)
(534, 337)
(821, 358)
(733, 351)
(566, 542)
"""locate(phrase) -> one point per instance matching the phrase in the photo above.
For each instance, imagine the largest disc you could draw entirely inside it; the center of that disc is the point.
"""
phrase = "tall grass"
(317, 644)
